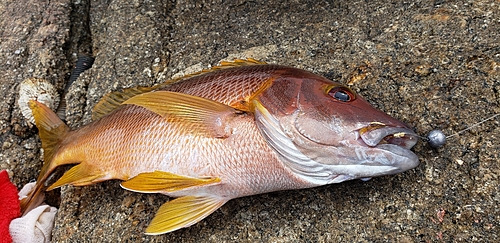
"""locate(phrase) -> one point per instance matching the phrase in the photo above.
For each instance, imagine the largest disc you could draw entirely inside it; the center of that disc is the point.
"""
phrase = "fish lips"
(394, 142)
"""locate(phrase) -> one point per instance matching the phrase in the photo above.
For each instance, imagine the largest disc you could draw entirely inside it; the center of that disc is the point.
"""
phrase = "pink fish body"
(228, 133)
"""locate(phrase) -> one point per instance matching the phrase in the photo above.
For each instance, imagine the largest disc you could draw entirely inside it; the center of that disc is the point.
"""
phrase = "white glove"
(36, 226)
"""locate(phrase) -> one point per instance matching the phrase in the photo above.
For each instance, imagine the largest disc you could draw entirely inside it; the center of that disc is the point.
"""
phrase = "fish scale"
(240, 129)
(230, 88)
(133, 151)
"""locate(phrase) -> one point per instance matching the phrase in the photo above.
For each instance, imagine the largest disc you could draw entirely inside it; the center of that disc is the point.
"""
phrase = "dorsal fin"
(114, 99)
(222, 65)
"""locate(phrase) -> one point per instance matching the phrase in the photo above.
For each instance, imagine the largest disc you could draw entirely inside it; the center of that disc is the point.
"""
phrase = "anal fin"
(160, 181)
(78, 175)
(182, 212)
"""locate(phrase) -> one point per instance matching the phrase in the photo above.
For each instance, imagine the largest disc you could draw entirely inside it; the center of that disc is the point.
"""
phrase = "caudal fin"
(51, 130)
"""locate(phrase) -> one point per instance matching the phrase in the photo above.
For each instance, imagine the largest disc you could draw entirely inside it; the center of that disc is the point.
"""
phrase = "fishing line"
(437, 139)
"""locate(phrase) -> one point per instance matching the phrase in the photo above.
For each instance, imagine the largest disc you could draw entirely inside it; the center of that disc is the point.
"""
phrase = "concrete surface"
(431, 64)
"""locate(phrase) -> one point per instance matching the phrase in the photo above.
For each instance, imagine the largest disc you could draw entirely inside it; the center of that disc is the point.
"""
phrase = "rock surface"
(431, 64)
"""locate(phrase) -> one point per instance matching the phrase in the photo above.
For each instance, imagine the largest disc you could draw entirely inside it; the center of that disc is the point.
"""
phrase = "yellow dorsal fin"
(114, 99)
(78, 175)
(160, 181)
(203, 116)
(241, 62)
(182, 212)
(222, 65)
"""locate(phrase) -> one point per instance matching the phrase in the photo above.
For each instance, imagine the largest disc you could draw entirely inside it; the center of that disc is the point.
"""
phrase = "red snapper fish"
(239, 129)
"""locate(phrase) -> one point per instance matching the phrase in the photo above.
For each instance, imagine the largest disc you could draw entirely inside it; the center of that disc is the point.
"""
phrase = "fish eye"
(341, 94)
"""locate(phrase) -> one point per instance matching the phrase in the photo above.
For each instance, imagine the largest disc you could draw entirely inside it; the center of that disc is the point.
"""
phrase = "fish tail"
(51, 130)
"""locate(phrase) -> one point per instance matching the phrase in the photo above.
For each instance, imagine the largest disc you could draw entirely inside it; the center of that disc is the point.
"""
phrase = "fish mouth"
(380, 135)
(390, 147)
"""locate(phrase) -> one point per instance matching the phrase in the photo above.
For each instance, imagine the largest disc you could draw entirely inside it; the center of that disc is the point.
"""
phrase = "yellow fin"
(114, 99)
(182, 212)
(205, 116)
(222, 65)
(160, 181)
(78, 175)
(241, 62)
(50, 127)
(52, 131)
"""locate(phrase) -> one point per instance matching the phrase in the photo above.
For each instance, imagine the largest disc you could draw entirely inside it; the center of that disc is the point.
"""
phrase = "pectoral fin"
(182, 212)
(204, 116)
(160, 181)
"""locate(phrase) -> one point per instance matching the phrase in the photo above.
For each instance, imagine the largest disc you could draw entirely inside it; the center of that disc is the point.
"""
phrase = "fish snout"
(389, 146)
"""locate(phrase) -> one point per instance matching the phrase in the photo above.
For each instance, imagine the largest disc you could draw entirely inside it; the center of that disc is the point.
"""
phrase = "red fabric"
(9, 206)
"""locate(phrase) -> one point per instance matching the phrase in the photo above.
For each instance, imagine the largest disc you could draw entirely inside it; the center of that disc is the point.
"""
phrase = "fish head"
(326, 133)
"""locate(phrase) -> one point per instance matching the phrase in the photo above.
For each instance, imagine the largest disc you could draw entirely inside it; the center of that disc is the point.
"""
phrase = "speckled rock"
(33, 36)
(431, 64)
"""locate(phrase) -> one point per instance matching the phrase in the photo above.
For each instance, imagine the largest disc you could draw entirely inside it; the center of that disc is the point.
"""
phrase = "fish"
(239, 129)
